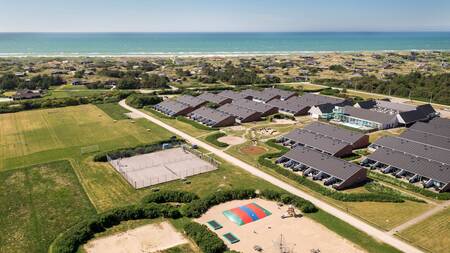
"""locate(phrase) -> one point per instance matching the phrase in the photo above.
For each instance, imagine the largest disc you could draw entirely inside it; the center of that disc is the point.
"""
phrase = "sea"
(192, 44)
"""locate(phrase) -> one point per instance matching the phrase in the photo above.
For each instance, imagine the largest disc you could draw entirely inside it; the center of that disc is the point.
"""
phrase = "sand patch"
(283, 121)
(133, 115)
(237, 128)
(231, 140)
(148, 238)
(300, 234)
(253, 150)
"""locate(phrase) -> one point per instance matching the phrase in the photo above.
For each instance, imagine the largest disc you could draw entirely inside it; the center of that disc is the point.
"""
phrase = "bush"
(137, 150)
(104, 98)
(141, 100)
(207, 241)
(213, 139)
(69, 241)
(170, 196)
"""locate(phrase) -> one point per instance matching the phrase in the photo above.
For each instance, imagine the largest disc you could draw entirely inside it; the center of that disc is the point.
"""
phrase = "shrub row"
(170, 196)
(408, 186)
(379, 188)
(212, 138)
(197, 207)
(69, 241)
(141, 149)
(16, 106)
(265, 160)
(140, 100)
(206, 240)
(195, 124)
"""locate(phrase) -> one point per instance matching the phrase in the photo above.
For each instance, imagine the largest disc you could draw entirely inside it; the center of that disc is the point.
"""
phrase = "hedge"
(170, 196)
(136, 150)
(141, 100)
(408, 186)
(43, 103)
(72, 239)
(197, 207)
(195, 124)
(206, 240)
(212, 138)
(381, 196)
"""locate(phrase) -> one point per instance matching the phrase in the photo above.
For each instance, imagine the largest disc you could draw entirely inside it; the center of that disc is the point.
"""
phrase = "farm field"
(39, 136)
(38, 203)
(383, 215)
(430, 234)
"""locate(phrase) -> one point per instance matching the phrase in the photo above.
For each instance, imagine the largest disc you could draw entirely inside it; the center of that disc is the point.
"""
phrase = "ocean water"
(111, 44)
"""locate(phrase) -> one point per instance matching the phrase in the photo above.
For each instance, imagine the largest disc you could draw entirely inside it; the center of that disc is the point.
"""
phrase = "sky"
(223, 15)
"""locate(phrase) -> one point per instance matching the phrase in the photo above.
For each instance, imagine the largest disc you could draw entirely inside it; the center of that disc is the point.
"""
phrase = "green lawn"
(38, 203)
(114, 110)
(431, 234)
(39, 136)
(73, 92)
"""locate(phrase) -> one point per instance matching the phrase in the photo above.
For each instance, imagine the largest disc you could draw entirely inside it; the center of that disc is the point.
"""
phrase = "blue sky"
(223, 16)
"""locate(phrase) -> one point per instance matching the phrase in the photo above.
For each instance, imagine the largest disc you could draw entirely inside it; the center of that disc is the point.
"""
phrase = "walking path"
(383, 236)
(420, 218)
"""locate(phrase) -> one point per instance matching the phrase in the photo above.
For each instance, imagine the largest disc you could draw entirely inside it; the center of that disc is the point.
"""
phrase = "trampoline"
(214, 224)
(231, 238)
(245, 214)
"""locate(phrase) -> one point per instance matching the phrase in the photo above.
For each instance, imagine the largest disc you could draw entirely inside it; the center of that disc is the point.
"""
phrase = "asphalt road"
(380, 235)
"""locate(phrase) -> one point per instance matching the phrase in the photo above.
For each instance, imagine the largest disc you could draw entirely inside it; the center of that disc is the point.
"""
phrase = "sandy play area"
(148, 238)
(299, 234)
(252, 150)
(231, 140)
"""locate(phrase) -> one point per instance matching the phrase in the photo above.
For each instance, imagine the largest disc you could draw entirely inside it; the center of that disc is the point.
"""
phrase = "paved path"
(374, 232)
(421, 217)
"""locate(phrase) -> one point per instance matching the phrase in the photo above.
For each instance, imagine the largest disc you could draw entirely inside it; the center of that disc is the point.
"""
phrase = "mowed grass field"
(38, 203)
(431, 234)
(39, 136)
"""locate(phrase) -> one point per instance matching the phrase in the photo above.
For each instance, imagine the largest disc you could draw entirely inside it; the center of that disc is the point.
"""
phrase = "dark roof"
(413, 116)
(427, 138)
(232, 94)
(329, 164)
(287, 105)
(212, 98)
(412, 164)
(252, 105)
(260, 95)
(436, 126)
(426, 109)
(172, 106)
(211, 114)
(335, 132)
(317, 141)
(398, 107)
(369, 115)
(326, 108)
(414, 148)
(190, 100)
(284, 94)
(311, 99)
(237, 111)
(367, 104)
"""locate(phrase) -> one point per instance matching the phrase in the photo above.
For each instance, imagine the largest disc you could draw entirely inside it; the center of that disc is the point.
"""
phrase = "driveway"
(374, 232)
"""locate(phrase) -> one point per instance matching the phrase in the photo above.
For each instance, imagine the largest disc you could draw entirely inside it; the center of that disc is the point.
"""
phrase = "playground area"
(262, 225)
(163, 236)
(231, 140)
(163, 166)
